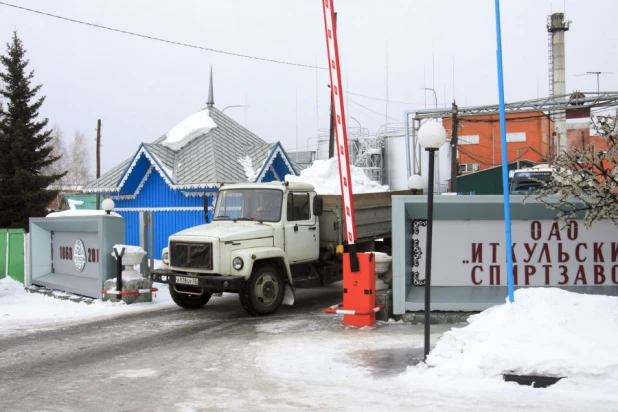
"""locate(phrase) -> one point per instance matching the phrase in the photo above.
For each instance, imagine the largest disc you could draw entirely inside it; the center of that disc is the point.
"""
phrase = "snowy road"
(218, 358)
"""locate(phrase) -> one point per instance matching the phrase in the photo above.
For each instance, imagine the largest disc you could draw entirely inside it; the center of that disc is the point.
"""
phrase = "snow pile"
(128, 249)
(74, 203)
(545, 331)
(81, 213)
(193, 126)
(247, 165)
(324, 176)
(21, 310)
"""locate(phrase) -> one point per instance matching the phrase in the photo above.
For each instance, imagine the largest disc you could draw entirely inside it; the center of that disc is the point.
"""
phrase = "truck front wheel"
(263, 293)
(186, 301)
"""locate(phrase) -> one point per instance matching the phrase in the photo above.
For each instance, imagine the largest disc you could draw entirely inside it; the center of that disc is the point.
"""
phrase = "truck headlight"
(166, 258)
(237, 263)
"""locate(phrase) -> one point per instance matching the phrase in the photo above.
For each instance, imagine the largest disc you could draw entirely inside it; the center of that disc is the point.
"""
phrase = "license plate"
(186, 281)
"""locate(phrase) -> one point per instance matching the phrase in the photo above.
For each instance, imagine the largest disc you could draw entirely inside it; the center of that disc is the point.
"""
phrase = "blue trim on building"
(128, 169)
(158, 164)
(268, 177)
(137, 175)
(280, 167)
(287, 158)
(156, 193)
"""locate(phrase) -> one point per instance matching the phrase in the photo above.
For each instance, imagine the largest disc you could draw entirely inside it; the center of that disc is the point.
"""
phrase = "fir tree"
(24, 148)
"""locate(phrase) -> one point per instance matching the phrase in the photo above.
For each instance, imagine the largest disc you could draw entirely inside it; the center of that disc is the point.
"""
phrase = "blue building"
(171, 176)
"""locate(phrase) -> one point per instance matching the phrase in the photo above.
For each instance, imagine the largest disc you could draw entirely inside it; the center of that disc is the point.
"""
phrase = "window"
(298, 206)
(544, 138)
(468, 139)
(469, 167)
(516, 137)
(249, 204)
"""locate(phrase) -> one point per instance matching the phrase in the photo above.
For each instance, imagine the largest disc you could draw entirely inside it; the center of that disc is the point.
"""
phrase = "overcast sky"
(141, 88)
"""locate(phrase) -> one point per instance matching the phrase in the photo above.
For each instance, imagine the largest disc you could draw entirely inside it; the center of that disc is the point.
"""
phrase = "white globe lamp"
(108, 205)
(431, 135)
(415, 184)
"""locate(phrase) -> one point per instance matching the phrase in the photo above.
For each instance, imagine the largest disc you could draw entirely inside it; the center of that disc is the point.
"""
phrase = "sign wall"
(545, 253)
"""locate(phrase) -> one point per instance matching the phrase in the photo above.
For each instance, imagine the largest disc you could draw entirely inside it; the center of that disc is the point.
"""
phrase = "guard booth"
(73, 253)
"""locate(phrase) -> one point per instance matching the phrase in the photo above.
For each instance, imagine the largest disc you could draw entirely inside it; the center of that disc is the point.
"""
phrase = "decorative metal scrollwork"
(416, 224)
(417, 252)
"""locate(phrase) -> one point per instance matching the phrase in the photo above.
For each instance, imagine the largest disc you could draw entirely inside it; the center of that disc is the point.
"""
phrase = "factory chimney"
(556, 26)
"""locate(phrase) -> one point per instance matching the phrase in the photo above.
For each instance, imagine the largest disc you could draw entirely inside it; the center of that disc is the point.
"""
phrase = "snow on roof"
(193, 126)
(247, 165)
(324, 176)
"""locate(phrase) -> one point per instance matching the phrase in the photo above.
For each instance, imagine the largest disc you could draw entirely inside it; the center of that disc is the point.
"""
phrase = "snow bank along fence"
(469, 255)
(12, 254)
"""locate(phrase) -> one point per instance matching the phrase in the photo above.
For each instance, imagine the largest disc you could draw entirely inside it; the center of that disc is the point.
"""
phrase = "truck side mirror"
(206, 216)
(318, 205)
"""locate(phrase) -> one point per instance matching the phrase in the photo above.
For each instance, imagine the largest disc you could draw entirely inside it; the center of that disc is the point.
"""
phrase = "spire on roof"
(211, 102)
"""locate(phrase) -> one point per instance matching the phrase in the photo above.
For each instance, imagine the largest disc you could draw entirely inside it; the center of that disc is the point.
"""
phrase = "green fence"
(12, 254)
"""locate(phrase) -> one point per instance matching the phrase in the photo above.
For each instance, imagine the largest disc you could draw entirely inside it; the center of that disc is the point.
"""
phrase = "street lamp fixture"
(108, 205)
(431, 136)
(415, 184)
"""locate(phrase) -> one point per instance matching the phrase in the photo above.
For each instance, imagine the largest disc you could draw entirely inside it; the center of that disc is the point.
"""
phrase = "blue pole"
(505, 161)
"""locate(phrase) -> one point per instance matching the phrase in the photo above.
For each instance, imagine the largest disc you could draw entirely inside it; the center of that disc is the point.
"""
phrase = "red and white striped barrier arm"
(340, 120)
(334, 311)
(129, 292)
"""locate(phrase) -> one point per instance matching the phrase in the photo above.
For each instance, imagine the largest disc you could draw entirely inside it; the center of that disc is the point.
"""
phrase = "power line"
(368, 117)
(383, 100)
(162, 40)
(373, 111)
(176, 43)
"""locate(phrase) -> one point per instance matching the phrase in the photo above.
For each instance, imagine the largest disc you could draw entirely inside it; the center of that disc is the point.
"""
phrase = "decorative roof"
(207, 161)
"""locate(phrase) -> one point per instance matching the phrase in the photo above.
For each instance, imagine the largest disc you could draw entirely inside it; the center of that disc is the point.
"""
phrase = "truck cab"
(259, 232)
(525, 181)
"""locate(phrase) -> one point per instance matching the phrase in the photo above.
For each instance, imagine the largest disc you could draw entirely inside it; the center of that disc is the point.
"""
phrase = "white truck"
(265, 240)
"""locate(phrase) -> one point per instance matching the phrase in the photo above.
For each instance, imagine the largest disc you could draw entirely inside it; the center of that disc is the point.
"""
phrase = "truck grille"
(191, 255)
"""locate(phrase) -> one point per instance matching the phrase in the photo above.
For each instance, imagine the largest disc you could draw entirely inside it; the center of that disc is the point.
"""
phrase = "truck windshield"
(262, 205)
(522, 188)
(524, 182)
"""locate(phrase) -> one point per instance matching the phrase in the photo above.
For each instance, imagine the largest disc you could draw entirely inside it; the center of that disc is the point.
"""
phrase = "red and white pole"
(340, 130)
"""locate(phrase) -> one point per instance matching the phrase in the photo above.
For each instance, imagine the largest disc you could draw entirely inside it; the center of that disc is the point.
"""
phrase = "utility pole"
(331, 133)
(98, 150)
(454, 166)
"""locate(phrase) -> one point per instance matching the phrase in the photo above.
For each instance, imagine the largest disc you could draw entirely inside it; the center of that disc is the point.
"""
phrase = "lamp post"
(434, 94)
(431, 136)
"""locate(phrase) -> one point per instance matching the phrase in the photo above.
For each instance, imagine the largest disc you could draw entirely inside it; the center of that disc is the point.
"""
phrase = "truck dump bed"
(373, 217)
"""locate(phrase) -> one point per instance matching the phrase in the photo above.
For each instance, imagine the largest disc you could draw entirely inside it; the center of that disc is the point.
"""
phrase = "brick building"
(528, 138)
